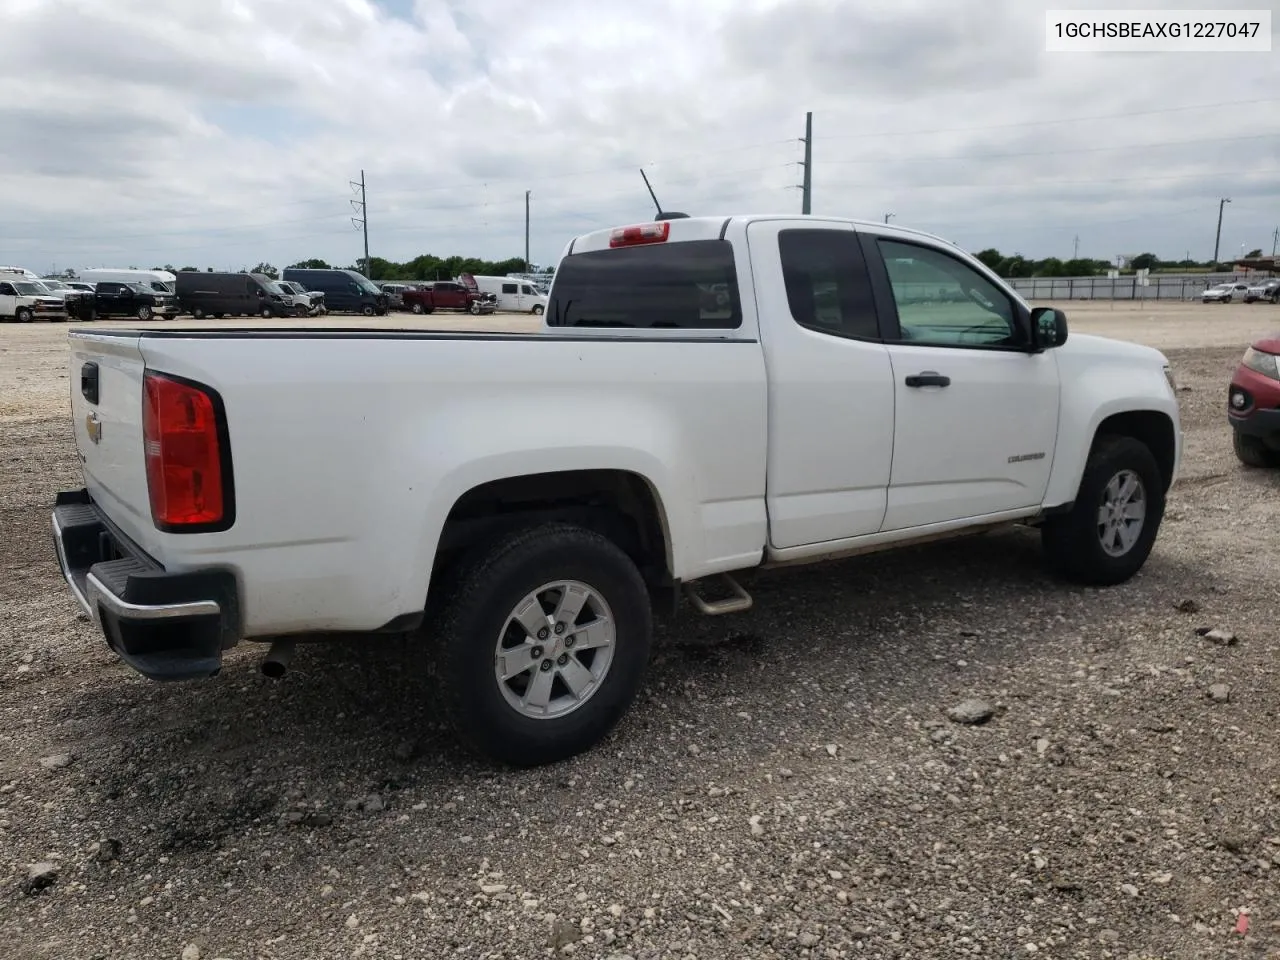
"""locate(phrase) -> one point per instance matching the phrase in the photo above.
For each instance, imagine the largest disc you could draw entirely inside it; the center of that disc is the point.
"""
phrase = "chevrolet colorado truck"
(705, 396)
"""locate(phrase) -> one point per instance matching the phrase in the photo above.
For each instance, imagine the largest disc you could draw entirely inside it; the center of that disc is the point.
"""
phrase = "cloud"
(225, 132)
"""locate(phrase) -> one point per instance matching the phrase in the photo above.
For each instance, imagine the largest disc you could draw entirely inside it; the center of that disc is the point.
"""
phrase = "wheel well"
(1153, 429)
(615, 503)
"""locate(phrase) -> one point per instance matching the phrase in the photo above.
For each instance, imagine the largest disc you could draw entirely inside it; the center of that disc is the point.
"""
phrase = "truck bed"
(350, 445)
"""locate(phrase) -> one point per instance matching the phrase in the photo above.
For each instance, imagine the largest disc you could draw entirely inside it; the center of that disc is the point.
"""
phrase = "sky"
(222, 133)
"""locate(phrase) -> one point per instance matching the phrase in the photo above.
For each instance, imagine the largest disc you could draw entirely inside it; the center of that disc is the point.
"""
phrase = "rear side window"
(828, 288)
(690, 285)
(508, 288)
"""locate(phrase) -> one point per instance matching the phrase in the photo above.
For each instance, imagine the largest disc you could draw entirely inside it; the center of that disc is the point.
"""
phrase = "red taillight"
(184, 458)
(640, 233)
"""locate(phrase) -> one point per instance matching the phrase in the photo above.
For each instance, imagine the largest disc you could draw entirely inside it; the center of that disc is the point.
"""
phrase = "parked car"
(394, 292)
(73, 298)
(518, 296)
(297, 301)
(312, 298)
(1253, 404)
(1263, 290)
(159, 281)
(345, 291)
(113, 299)
(24, 300)
(446, 295)
(395, 478)
(203, 294)
(1225, 292)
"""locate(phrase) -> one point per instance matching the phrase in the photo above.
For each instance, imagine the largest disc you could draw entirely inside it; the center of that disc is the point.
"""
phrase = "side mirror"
(1048, 327)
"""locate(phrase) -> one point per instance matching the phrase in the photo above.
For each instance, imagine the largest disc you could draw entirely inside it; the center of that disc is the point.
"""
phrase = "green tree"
(267, 270)
(187, 270)
(310, 265)
(991, 258)
(1254, 253)
(1144, 261)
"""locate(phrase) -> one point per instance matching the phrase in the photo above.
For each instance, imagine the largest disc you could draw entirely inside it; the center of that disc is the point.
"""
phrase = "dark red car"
(1253, 404)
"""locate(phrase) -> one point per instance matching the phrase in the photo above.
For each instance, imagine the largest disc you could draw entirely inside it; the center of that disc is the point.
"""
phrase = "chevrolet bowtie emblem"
(93, 426)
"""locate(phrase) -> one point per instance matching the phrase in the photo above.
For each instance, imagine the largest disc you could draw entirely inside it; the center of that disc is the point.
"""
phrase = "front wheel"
(475, 308)
(266, 313)
(416, 309)
(1109, 533)
(1252, 452)
(144, 312)
(544, 638)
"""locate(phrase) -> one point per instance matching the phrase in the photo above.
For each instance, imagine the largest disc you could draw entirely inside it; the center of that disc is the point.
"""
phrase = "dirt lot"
(788, 785)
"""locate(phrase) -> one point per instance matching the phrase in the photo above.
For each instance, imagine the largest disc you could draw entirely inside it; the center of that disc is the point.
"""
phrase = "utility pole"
(887, 216)
(362, 221)
(806, 190)
(1275, 237)
(1075, 251)
(1218, 239)
(526, 231)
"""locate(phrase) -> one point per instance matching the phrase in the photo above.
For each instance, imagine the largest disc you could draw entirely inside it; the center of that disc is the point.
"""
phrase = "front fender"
(1099, 384)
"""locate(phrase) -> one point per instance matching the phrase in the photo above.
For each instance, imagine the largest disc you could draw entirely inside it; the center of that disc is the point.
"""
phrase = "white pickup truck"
(706, 396)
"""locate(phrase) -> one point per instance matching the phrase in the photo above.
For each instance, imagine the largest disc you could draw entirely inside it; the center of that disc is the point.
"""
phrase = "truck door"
(8, 300)
(976, 412)
(509, 298)
(830, 383)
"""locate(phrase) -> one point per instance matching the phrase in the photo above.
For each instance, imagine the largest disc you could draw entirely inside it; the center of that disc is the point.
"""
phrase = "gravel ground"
(790, 783)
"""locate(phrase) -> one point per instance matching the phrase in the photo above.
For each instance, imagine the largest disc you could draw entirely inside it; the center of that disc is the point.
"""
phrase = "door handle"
(928, 379)
(89, 382)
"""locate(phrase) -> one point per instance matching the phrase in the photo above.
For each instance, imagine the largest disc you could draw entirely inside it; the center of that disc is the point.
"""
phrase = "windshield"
(365, 284)
(276, 287)
(55, 285)
(30, 288)
(139, 287)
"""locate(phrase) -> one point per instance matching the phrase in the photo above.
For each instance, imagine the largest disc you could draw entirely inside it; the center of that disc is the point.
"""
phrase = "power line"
(1234, 104)
(897, 158)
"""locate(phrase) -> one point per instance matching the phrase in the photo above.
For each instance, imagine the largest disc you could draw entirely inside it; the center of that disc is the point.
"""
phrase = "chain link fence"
(1164, 287)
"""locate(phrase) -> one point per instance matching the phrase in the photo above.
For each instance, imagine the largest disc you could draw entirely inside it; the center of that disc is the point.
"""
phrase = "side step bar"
(741, 600)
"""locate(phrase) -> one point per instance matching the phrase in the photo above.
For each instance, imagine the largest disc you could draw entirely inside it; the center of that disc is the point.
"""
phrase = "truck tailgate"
(106, 416)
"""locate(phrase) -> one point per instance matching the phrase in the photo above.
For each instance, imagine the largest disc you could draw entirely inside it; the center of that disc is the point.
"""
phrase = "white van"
(519, 296)
(161, 281)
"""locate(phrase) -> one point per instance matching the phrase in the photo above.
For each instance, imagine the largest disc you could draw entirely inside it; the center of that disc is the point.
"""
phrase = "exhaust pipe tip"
(276, 663)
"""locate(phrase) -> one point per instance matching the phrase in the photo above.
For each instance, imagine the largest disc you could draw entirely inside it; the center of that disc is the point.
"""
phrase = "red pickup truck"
(446, 295)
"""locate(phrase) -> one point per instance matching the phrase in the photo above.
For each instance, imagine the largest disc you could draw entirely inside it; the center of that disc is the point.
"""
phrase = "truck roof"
(712, 228)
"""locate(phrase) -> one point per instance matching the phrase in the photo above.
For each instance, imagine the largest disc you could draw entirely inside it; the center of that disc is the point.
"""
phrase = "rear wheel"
(544, 638)
(198, 313)
(1252, 452)
(1109, 533)
(537, 310)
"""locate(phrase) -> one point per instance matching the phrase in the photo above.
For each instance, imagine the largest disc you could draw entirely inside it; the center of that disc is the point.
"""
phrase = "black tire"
(368, 311)
(537, 310)
(478, 597)
(1072, 543)
(198, 313)
(416, 308)
(475, 308)
(1252, 452)
(24, 315)
(266, 313)
(144, 312)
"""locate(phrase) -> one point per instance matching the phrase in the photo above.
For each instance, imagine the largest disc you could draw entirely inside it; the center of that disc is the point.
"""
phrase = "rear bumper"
(165, 625)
